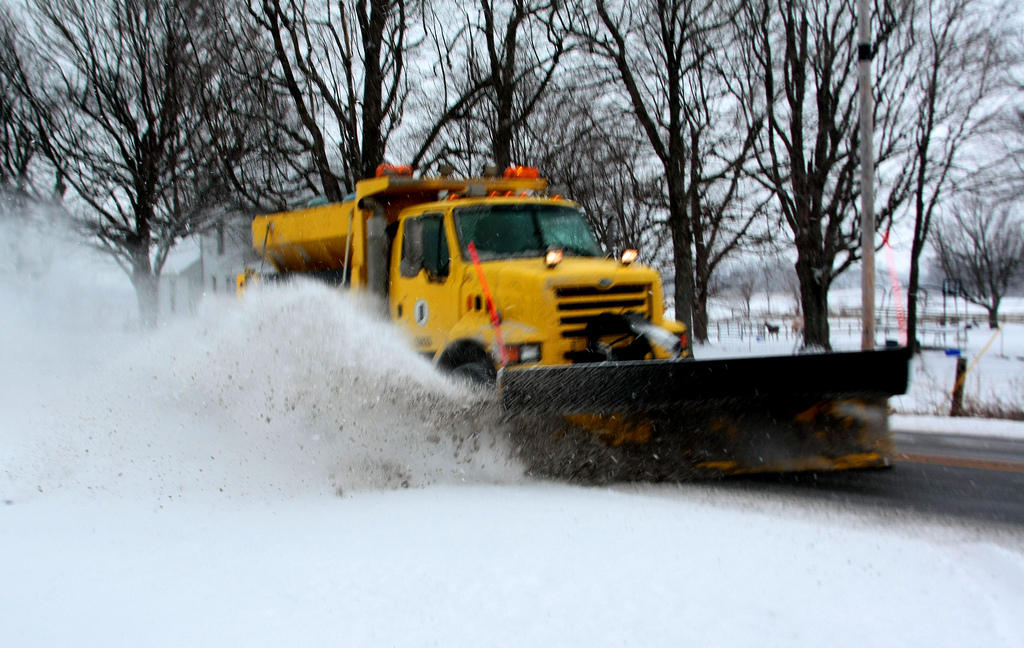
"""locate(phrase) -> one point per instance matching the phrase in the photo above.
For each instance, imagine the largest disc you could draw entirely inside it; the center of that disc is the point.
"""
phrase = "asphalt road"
(973, 478)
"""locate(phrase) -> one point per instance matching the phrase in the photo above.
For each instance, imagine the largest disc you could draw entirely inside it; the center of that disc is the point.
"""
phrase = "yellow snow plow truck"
(501, 283)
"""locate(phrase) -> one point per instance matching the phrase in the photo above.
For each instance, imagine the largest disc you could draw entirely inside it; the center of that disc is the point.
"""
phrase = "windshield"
(505, 231)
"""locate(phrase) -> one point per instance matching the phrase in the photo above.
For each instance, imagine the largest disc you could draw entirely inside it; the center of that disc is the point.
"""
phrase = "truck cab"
(539, 283)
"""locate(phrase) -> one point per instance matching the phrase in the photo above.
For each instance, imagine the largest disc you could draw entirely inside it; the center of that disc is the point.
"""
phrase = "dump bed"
(306, 240)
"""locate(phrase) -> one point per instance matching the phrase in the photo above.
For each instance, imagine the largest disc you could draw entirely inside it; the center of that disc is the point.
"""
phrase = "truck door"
(423, 297)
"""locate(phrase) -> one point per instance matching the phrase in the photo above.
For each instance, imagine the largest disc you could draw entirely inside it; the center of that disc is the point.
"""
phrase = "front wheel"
(476, 373)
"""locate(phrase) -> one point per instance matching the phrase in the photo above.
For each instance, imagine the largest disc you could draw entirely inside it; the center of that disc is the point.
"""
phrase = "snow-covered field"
(283, 471)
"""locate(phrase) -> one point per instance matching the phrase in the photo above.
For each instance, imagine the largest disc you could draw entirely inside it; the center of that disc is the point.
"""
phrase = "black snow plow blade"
(684, 419)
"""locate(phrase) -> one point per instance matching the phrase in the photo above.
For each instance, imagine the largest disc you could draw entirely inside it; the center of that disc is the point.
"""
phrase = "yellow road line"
(958, 462)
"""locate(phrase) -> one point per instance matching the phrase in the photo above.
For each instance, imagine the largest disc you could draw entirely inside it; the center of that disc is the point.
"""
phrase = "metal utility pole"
(867, 178)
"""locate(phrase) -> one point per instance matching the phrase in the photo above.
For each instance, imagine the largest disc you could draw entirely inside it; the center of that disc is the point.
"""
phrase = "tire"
(476, 373)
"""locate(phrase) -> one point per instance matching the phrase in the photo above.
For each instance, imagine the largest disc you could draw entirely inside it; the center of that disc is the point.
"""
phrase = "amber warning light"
(629, 256)
(522, 172)
(393, 170)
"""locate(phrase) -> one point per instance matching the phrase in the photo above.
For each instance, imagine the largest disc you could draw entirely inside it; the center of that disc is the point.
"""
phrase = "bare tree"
(803, 56)
(443, 93)
(114, 116)
(723, 206)
(1015, 118)
(255, 140)
(662, 55)
(342, 65)
(592, 155)
(493, 67)
(17, 134)
(616, 198)
(722, 224)
(957, 54)
(747, 286)
(1008, 172)
(982, 247)
(521, 58)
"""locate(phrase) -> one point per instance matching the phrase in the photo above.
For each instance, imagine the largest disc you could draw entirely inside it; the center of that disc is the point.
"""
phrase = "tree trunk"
(702, 277)
(993, 315)
(679, 225)
(814, 301)
(372, 152)
(922, 217)
(914, 281)
(143, 279)
(700, 312)
(501, 136)
(503, 71)
(146, 294)
(503, 147)
(701, 261)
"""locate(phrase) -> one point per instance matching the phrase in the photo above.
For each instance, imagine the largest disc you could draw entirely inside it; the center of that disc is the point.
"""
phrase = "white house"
(225, 250)
(206, 265)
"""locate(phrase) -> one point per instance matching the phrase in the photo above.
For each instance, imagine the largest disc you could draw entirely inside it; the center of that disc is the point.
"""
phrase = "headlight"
(522, 353)
(529, 353)
(553, 257)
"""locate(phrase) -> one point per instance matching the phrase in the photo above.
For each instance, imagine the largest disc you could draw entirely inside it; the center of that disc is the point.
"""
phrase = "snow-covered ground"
(283, 471)
(497, 565)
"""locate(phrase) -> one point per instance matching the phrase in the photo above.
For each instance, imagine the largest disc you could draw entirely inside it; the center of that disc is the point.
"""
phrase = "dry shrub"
(994, 407)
